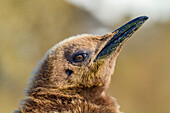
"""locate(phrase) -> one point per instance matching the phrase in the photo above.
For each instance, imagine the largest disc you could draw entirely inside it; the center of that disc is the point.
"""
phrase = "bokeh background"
(28, 28)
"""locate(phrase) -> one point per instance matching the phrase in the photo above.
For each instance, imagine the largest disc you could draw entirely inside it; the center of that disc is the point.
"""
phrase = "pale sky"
(111, 11)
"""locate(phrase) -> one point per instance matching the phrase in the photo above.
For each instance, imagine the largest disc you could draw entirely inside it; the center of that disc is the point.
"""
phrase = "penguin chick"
(74, 74)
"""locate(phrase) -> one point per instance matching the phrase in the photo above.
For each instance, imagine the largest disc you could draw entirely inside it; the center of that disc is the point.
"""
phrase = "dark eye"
(79, 57)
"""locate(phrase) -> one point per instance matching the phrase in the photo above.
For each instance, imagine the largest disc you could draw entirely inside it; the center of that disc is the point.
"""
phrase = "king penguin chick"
(74, 74)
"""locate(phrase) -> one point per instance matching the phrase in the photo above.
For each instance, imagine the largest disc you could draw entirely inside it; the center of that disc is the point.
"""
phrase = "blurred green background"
(28, 28)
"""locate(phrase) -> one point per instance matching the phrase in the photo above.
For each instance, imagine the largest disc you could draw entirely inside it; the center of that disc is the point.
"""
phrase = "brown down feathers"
(51, 90)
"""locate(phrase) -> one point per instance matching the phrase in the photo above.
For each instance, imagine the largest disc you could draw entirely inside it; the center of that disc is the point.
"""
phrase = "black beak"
(122, 34)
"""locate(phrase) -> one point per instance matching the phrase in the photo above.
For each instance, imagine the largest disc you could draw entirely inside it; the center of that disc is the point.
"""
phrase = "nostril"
(69, 72)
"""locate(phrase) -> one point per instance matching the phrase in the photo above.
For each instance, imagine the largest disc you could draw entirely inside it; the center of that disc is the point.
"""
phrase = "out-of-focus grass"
(29, 28)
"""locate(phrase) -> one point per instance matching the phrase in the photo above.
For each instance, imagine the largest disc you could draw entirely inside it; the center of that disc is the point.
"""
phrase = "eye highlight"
(80, 57)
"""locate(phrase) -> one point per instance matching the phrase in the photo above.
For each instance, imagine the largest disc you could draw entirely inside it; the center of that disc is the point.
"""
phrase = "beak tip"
(143, 18)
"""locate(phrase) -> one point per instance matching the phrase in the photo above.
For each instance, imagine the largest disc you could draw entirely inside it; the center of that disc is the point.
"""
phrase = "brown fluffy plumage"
(68, 81)
(52, 90)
